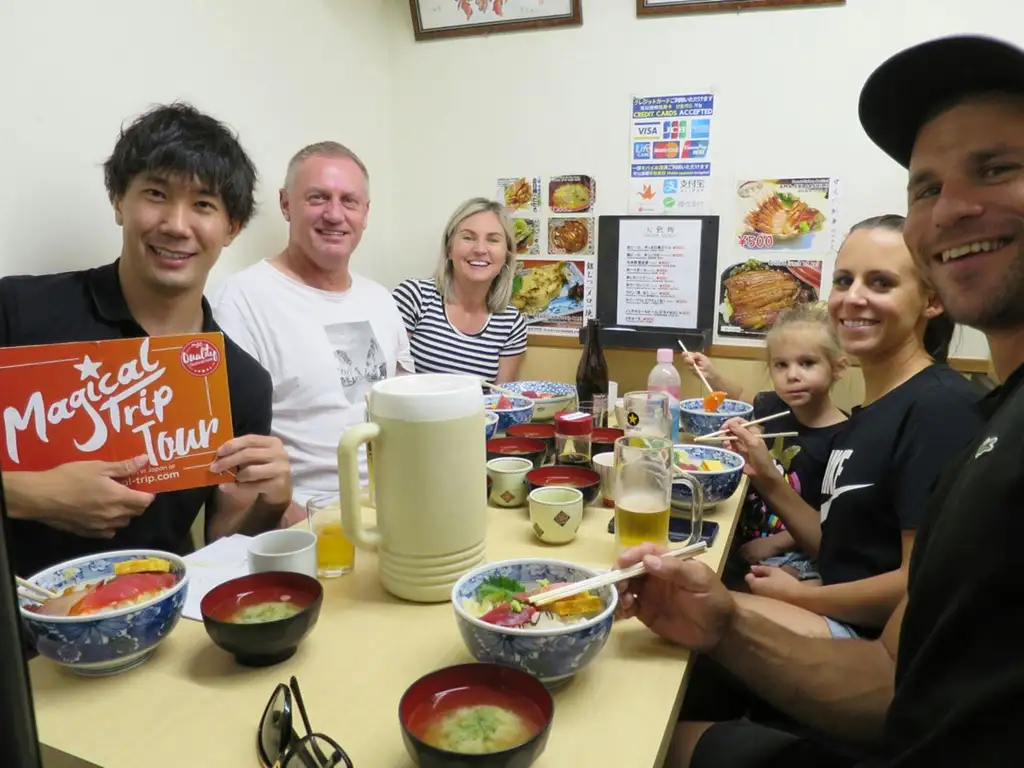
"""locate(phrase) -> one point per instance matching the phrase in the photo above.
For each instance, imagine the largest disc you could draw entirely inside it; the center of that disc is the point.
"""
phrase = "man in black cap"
(944, 685)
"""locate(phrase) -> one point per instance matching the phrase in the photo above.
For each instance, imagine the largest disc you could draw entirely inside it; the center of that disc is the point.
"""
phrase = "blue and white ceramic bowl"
(556, 397)
(520, 412)
(490, 424)
(695, 420)
(551, 655)
(112, 641)
(718, 486)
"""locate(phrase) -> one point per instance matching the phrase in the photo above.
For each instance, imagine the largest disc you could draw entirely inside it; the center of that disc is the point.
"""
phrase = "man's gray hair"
(324, 149)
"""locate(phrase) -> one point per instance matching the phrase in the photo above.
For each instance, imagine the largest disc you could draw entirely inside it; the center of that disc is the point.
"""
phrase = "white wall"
(557, 101)
(73, 71)
(436, 121)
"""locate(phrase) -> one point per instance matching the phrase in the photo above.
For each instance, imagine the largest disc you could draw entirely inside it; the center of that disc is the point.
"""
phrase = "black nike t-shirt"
(882, 468)
(801, 459)
(959, 696)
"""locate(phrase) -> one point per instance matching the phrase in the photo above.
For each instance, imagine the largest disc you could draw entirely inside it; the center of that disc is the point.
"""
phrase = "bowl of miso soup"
(480, 715)
(261, 618)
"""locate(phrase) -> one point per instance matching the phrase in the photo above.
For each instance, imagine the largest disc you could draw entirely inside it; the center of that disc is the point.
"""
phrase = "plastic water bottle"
(665, 378)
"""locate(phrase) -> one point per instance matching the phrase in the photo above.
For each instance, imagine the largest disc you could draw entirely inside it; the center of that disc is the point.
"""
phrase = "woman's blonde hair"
(812, 315)
(500, 293)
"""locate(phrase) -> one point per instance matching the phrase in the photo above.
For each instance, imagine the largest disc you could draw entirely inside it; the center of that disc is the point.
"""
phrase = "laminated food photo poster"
(556, 250)
(783, 233)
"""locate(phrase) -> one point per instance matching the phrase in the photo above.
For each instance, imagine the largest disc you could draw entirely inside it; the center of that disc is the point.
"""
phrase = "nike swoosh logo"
(836, 494)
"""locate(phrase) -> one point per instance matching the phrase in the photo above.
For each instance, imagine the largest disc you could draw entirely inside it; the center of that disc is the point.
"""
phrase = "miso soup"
(476, 720)
(261, 605)
(271, 610)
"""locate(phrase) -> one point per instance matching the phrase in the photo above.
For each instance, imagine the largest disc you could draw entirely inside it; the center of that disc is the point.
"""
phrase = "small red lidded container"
(573, 432)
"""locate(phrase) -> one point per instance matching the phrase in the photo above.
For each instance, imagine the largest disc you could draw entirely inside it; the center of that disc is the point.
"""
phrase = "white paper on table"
(221, 561)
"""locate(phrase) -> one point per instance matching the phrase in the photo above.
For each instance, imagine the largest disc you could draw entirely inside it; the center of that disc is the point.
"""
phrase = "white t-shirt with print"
(323, 350)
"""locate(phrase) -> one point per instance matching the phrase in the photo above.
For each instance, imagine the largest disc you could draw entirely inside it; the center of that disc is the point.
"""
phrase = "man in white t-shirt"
(326, 335)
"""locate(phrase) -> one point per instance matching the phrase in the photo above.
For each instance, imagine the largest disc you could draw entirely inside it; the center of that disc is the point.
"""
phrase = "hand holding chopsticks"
(696, 367)
(612, 577)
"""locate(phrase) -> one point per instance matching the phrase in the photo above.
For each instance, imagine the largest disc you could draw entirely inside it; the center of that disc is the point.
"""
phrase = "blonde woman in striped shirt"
(461, 320)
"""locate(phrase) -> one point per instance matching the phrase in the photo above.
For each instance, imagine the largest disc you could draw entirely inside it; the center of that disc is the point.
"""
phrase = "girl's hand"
(746, 441)
(698, 361)
(771, 582)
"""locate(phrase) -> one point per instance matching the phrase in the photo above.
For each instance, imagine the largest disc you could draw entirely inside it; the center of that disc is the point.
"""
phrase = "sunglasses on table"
(279, 746)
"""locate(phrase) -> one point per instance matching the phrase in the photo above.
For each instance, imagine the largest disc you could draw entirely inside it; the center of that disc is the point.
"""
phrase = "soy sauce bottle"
(592, 373)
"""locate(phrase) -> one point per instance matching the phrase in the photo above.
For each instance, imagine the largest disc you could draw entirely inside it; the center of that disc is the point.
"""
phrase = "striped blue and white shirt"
(438, 347)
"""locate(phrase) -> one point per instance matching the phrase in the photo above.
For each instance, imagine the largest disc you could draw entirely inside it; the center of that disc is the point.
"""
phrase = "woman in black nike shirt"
(916, 415)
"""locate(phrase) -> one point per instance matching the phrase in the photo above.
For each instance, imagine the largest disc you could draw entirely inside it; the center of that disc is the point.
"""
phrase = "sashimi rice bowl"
(552, 642)
(111, 611)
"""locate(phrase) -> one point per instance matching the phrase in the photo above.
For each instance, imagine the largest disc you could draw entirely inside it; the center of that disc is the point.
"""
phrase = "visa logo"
(646, 130)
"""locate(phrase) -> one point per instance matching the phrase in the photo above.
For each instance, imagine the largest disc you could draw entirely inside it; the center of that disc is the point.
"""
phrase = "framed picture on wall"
(652, 7)
(457, 18)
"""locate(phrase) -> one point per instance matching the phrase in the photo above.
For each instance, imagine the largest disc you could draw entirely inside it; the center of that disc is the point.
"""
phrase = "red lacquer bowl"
(586, 480)
(271, 642)
(490, 682)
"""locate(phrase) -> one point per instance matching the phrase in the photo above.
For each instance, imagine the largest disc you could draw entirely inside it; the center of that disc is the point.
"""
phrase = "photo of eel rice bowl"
(754, 292)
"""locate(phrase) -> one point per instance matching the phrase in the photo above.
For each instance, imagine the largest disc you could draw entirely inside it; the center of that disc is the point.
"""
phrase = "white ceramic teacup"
(508, 480)
(604, 465)
(288, 550)
(556, 513)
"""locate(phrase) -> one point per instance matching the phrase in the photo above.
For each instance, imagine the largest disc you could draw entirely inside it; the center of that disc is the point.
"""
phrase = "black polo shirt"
(959, 696)
(89, 306)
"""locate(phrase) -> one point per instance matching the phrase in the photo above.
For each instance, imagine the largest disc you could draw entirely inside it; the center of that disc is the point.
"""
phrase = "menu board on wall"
(556, 243)
(658, 274)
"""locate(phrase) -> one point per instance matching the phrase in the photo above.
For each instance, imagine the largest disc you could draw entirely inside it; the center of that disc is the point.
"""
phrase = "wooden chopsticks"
(612, 577)
(500, 390)
(721, 438)
(33, 591)
(721, 432)
(698, 370)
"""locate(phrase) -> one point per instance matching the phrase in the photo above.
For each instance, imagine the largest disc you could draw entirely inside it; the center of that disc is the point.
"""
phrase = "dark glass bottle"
(592, 373)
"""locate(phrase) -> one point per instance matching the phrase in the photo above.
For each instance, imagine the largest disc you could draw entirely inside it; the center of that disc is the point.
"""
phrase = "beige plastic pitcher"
(429, 471)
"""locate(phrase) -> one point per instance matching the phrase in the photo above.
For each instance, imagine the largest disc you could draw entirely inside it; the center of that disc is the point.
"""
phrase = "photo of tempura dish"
(755, 292)
(518, 194)
(545, 290)
(784, 216)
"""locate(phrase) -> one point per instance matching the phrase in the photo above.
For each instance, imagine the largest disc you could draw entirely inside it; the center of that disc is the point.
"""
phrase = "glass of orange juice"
(335, 554)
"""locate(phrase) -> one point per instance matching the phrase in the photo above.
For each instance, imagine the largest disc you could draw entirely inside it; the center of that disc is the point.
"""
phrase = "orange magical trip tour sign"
(162, 396)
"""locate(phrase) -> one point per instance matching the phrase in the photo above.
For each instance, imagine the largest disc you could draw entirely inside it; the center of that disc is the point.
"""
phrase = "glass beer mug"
(644, 473)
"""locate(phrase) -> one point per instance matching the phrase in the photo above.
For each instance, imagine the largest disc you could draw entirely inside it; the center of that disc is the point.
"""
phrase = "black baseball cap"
(903, 93)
